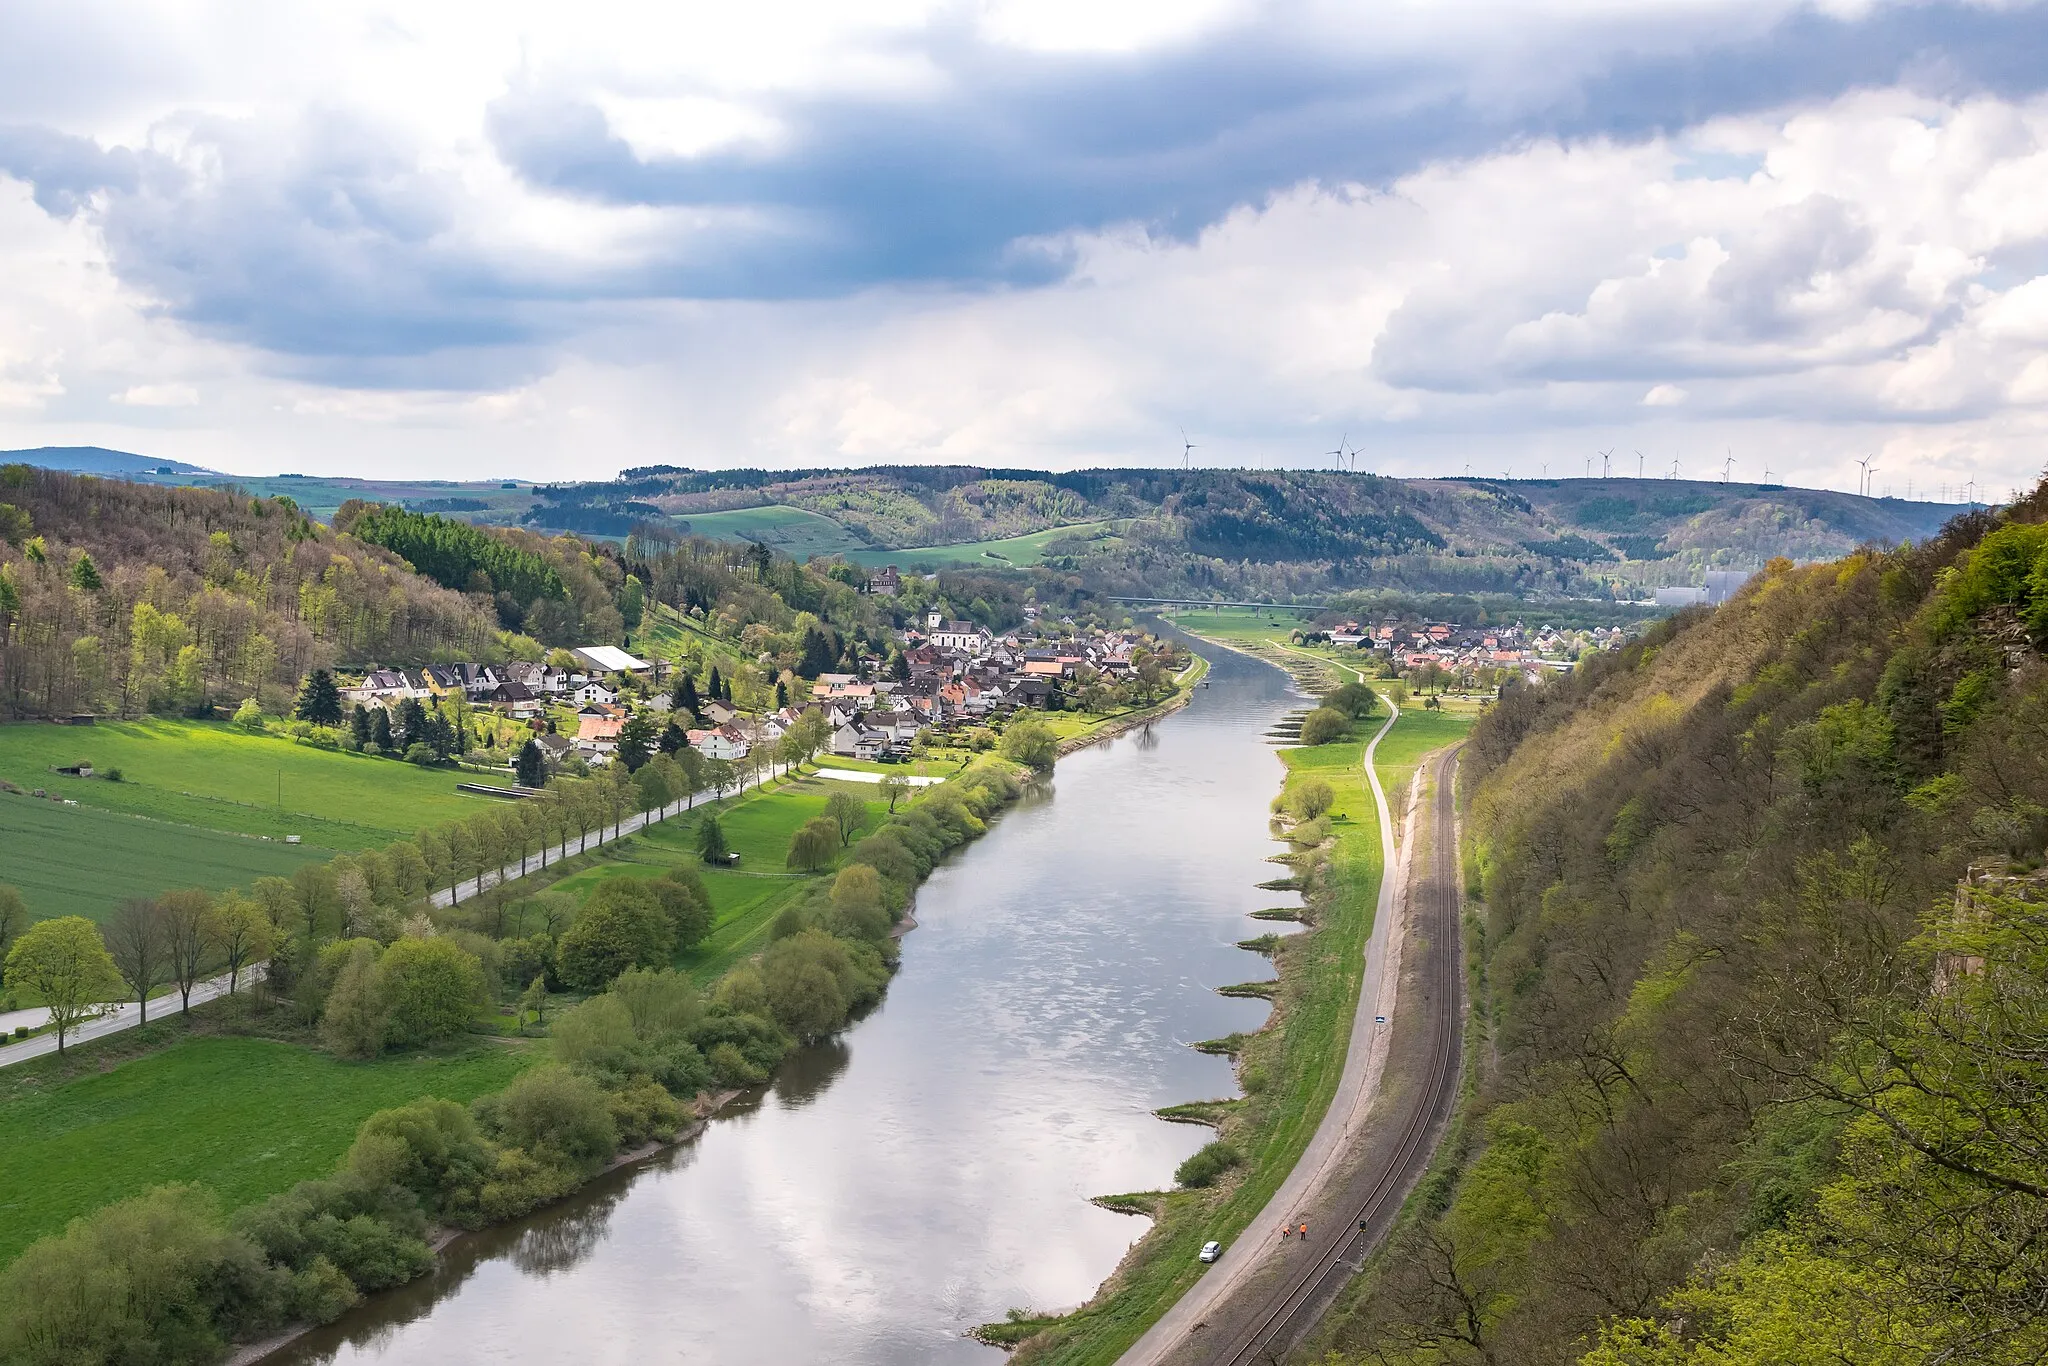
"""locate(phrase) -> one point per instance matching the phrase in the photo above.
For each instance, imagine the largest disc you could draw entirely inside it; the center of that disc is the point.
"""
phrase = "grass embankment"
(745, 900)
(247, 1117)
(210, 775)
(77, 860)
(1289, 1071)
(1018, 552)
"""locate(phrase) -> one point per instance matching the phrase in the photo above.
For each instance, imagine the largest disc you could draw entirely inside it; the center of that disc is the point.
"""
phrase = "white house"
(956, 635)
(593, 691)
(719, 743)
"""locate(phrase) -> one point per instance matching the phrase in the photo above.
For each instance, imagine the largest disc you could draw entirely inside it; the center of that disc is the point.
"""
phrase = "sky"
(464, 240)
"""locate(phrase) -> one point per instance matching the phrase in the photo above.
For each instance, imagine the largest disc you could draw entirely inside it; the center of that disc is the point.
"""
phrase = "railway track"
(1298, 1301)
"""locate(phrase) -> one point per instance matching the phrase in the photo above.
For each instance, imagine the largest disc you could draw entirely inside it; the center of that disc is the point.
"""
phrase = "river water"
(930, 1169)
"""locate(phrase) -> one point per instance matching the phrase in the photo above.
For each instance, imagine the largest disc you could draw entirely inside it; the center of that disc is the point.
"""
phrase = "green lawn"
(246, 1117)
(746, 899)
(211, 775)
(793, 531)
(76, 860)
(1019, 552)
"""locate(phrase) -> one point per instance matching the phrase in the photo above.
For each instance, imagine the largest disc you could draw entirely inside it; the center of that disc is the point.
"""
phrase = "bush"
(686, 904)
(1324, 725)
(352, 1019)
(1355, 700)
(422, 754)
(375, 1236)
(1311, 799)
(1210, 1162)
(430, 1148)
(555, 1114)
(1029, 741)
(430, 989)
(813, 980)
(622, 925)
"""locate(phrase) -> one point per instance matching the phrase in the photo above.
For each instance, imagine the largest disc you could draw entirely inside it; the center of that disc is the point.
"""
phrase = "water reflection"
(930, 1169)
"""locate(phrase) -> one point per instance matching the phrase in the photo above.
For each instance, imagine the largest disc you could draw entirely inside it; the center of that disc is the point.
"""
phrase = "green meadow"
(211, 775)
(1019, 552)
(244, 1117)
(793, 531)
(745, 899)
(78, 860)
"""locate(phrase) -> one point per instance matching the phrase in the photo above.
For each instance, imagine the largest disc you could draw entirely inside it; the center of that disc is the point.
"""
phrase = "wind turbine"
(1728, 465)
(1863, 475)
(1606, 459)
(1187, 449)
(1674, 467)
(1339, 452)
(1639, 464)
(1356, 451)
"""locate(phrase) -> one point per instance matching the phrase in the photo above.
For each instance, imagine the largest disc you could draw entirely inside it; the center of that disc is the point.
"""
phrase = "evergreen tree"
(711, 840)
(717, 685)
(85, 575)
(359, 726)
(380, 729)
(319, 700)
(685, 695)
(412, 721)
(815, 654)
(673, 739)
(899, 666)
(440, 736)
(636, 737)
(531, 767)
(781, 694)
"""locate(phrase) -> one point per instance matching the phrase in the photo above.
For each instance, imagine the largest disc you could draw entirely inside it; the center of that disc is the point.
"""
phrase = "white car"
(1210, 1252)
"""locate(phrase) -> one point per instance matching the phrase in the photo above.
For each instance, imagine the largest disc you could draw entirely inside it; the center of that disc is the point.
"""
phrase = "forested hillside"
(1760, 1061)
(1287, 533)
(128, 597)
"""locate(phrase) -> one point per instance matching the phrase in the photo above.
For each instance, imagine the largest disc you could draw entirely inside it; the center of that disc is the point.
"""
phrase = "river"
(930, 1169)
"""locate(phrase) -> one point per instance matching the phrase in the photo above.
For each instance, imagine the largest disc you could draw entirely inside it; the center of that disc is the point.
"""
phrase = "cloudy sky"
(553, 240)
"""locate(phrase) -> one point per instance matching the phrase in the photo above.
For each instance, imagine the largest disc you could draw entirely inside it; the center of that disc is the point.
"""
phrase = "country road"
(128, 1016)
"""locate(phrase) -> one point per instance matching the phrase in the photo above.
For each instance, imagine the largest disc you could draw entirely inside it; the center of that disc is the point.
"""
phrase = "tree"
(534, 1001)
(13, 920)
(813, 844)
(814, 654)
(135, 940)
(621, 926)
(64, 962)
(1031, 742)
(715, 689)
(352, 1023)
(892, 789)
(857, 901)
(686, 904)
(1311, 799)
(673, 738)
(1355, 700)
(249, 716)
(85, 575)
(319, 700)
(359, 726)
(636, 742)
(685, 695)
(239, 932)
(711, 840)
(530, 768)
(185, 941)
(848, 814)
(431, 989)
(1323, 725)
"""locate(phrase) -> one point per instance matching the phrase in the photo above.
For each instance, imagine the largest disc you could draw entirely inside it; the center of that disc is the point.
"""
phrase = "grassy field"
(211, 775)
(1017, 552)
(245, 1117)
(75, 860)
(745, 899)
(793, 531)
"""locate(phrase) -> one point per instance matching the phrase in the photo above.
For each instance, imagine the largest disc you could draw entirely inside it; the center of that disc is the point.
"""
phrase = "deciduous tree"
(64, 962)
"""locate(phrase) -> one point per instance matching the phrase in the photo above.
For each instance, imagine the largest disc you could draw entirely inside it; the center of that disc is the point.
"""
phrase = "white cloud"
(158, 396)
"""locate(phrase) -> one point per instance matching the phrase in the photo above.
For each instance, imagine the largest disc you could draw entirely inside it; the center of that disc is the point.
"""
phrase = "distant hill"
(96, 460)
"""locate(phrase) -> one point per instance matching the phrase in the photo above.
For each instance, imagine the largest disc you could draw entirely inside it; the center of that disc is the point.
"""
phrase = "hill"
(96, 460)
(1258, 533)
(1758, 990)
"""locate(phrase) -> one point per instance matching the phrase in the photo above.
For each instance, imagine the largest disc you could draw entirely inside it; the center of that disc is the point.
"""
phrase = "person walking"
(1304, 1233)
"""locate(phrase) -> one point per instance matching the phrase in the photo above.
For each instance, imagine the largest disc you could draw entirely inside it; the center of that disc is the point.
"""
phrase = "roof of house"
(599, 728)
(609, 658)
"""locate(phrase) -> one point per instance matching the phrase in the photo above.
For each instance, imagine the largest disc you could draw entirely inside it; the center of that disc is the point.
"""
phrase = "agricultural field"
(210, 775)
(78, 860)
(1015, 552)
(488, 501)
(745, 899)
(793, 531)
(244, 1117)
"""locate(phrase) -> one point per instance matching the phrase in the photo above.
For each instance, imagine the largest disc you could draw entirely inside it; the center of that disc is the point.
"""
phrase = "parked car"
(1211, 1251)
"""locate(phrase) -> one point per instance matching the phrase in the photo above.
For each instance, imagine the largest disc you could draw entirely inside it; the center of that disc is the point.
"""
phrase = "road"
(130, 1015)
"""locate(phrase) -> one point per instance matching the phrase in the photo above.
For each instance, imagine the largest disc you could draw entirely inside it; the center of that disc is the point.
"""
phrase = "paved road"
(1253, 1249)
(123, 1017)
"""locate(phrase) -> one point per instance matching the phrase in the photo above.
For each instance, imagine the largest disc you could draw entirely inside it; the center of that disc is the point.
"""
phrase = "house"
(885, 582)
(956, 635)
(556, 748)
(720, 742)
(517, 701)
(594, 691)
(382, 687)
(718, 713)
(609, 659)
(598, 734)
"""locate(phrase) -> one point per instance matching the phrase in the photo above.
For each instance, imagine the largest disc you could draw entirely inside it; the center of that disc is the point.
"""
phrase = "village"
(1476, 656)
(944, 678)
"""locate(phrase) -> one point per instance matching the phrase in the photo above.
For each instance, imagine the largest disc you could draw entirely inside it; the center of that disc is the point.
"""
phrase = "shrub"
(686, 904)
(352, 1019)
(556, 1115)
(1355, 700)
(734, 1068)
(643, 1112)
(621, 926)
(1029, 741)
(1208, 1163)
(430, 1148)
(1324, 725)
(371, 1233)
(1311, 799)
(430, 990)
